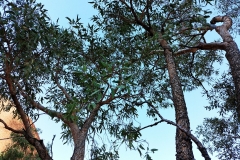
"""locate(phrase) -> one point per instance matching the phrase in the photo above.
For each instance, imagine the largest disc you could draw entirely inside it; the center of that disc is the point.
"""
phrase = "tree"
(70, 74)
(178, 33)
(95, 79)
(221, 134)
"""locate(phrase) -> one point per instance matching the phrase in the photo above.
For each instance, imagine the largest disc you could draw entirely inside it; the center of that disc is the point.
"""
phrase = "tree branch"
(223, 29)
(50, 112)
(202, 46)
(138, 21)
(151, 125)
(61, 87)
(11, 129)
(52, 144)
(202, 149)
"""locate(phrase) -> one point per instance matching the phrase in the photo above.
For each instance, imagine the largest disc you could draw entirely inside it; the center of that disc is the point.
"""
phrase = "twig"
(52, 144)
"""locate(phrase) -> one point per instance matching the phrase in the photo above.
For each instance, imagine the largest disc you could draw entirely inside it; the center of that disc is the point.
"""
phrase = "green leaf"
(69, 19)
(140, 146)
(154, 150)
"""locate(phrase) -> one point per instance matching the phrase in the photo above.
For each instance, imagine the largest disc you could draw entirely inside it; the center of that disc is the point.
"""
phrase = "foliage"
(221, 134)
(19, 149)
(230, 8)
(68, 71)
(102, 73)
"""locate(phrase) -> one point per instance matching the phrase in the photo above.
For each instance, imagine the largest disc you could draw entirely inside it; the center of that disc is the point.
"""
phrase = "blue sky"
(162, 136)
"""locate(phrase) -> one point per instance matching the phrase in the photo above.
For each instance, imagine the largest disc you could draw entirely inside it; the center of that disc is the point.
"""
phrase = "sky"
(161, 137)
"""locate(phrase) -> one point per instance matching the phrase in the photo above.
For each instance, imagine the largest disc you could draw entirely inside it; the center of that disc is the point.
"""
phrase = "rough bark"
(228, 45)
(80, 136)
(200, 146)
(232, 53)
(233, 57)
(183, 141)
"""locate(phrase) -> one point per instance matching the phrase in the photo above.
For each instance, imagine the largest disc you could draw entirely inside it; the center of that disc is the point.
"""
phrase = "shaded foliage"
(221, 134)
(19, 149)
(94, 79)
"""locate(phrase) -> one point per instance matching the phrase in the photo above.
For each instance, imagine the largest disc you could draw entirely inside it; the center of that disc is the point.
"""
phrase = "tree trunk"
(79, 136)
(233, 57)
(232, 53)
(79, 146)
(183, 142)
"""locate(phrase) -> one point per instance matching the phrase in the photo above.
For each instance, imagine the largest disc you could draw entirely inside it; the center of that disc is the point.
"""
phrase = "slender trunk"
(233, 57)
(232, 53)
(183, 141)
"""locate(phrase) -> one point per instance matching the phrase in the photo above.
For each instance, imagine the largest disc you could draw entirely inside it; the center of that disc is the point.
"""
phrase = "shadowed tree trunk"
(232, 53)
(183, 141)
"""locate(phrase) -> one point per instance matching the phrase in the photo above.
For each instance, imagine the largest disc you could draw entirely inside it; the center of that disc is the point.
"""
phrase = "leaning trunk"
(232, 53)
(38, 144)
(233, 57)
(183, 142)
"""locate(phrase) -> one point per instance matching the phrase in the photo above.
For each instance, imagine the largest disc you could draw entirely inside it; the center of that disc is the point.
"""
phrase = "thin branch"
(185, 51)
(202, 46)
(52, 145)
(196, 79)
(151, 125)
(154, 51)
(50, 112)
(202, 149)
(138, 21)
(11, 129)
(61, 87)
(148, 6)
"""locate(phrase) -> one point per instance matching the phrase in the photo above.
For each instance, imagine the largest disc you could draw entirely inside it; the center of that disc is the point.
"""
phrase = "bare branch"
(52, 144)
(185, 51)
(202, 149)
(11, 129)
(61, 87)
(151, 125)
(202, 46)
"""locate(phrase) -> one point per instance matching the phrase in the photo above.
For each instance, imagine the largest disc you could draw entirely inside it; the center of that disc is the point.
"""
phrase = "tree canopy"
(136, 55)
